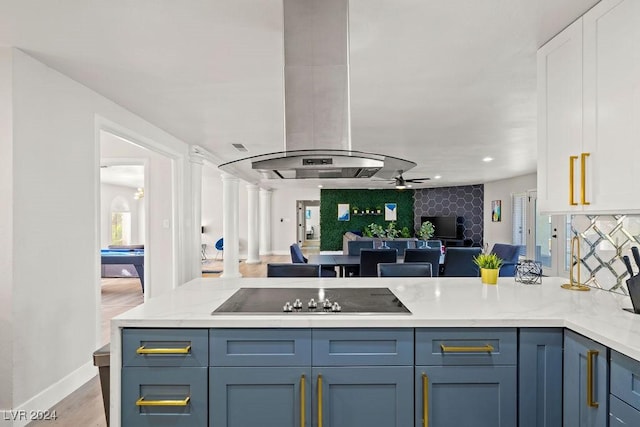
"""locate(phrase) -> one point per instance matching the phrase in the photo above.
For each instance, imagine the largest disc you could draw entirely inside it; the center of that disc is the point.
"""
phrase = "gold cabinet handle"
(303, 403)
(453, 349)
(572, 160)
(583, 173)
(319, 400)
(590, 355)
(425, 400)
(143, 350)
(179, 402)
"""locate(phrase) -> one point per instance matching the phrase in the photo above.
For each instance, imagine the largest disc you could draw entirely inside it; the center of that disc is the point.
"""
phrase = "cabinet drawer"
(625, 379)
(175, 397)
(260, 347)
(364, 347)
(165, 347)
(466, 346)
(621, 414)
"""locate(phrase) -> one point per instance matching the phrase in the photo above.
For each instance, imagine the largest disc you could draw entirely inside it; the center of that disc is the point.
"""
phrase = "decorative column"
(265, 221)
(194, 266)
(230, 233)
(253, 239)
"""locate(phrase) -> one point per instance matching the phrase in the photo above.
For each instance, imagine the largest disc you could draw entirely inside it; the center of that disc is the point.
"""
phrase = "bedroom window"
(121, 228)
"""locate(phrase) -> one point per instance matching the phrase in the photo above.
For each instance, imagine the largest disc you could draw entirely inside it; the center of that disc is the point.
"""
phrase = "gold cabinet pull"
(179, 402)
(590, 355)
(425, 400)
(303, 403)
(319, 400)
(453, 349)
(583, 173)
(143, 350)
(572, 160)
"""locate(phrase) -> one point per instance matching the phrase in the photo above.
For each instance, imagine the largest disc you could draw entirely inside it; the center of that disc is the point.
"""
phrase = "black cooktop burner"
(312, 301)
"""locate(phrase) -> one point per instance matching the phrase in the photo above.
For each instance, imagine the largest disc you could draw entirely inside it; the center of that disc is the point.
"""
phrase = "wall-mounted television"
(446, 227)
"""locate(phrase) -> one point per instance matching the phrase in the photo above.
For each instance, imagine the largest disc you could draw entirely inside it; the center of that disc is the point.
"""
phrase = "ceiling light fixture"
(437, 177)
(139, 194)
(487, 159)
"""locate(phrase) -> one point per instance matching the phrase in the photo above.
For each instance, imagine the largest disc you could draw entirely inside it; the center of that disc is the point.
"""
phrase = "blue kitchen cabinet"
(164, 377)
(363, 396)
(586, 382)
(454, 396)
(624, 400)
(260, 396)
(300, 377)
(540, 377)
(466, 376)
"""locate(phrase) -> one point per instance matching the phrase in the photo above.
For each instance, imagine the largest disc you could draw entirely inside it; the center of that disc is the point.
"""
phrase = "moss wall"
(332, 229)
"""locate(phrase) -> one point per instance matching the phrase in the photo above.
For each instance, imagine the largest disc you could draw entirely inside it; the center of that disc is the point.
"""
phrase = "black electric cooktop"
(312, 301)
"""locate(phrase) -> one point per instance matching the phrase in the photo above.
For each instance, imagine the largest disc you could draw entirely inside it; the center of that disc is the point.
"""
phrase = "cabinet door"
(454, 396)
(540, 383)
(559, 119)
(586, 382)
(612, 105)
(164, 397)
(265, 397)
(363, 396)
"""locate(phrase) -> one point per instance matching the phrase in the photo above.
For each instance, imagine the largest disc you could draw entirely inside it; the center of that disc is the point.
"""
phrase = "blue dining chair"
(509, 254)
(370, 258)
(411, 269)
(292, 270)
(458, 262)
(297, 257)
(429, 255)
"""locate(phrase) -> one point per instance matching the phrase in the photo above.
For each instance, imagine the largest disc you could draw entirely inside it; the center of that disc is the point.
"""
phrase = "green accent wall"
(332, 230)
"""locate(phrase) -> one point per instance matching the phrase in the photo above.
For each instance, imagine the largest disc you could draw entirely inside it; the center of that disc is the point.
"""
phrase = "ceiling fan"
(401, 183)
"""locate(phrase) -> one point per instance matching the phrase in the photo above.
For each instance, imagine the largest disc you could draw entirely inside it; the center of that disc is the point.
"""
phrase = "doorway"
(308, 224)
(548, 239)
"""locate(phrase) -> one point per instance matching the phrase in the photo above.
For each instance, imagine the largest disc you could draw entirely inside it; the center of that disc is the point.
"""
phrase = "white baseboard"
(53, 394)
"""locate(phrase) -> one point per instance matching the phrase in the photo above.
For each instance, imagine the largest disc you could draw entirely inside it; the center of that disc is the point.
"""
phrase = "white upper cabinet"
(612, 104)
(559, 118)
(589, 113)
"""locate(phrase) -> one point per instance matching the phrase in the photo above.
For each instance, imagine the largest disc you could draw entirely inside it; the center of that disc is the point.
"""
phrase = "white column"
(230, 233)
(265, 221)
(253, 239)
(195, 243)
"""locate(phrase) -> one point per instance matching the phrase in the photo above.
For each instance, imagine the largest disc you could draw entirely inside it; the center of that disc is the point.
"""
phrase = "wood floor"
(83, 407)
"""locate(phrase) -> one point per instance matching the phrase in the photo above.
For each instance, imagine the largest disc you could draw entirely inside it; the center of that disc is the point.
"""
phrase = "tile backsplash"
(605, 239)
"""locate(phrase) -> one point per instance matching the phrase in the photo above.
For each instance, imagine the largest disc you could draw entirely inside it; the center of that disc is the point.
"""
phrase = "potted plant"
(404, 233)
(376, 230)
(378, 210)
(426, 231)
(391, 232)
(489, 267)
(355, 210)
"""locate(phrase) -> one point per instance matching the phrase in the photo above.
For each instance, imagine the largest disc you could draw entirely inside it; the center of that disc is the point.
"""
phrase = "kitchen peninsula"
(459, 332)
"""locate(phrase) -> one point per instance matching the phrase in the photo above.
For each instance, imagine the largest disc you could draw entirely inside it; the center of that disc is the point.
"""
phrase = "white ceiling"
(442, 83)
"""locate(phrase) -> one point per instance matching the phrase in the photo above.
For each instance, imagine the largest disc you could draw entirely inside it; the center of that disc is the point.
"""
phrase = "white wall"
(159, 257)
(53, 206)
(108, 193)
(501, 232)
(6, 232)
(283, 216)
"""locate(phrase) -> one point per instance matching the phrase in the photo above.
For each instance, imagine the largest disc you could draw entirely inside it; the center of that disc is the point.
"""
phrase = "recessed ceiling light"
(437, 177)
(487, 159)
(319, 185)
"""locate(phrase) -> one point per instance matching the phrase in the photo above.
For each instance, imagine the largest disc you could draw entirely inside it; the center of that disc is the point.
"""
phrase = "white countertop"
(434, 302)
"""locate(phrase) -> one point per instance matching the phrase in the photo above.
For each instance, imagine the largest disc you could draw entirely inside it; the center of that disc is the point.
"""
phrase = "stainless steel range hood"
(317, 119)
